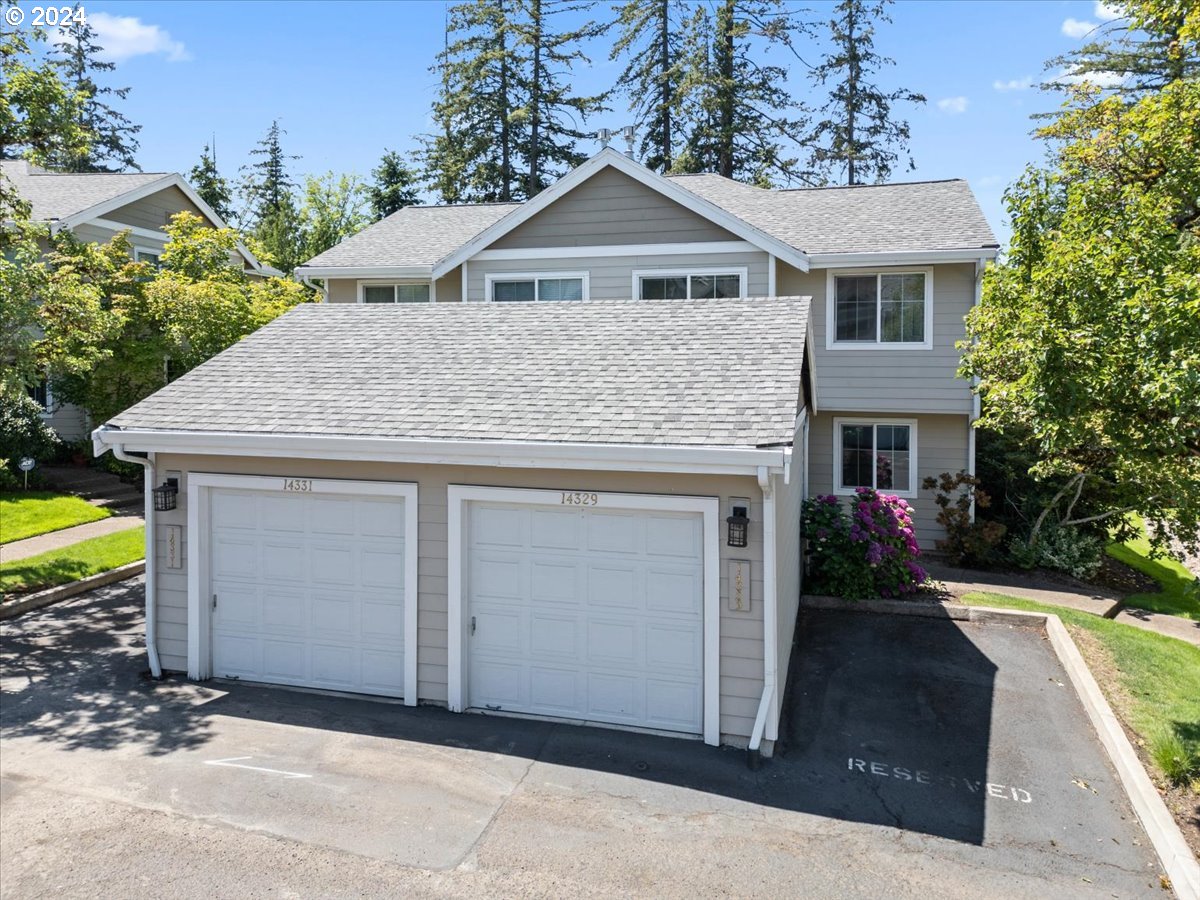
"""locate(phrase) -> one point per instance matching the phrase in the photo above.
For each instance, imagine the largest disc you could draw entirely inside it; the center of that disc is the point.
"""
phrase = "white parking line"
(234, 762)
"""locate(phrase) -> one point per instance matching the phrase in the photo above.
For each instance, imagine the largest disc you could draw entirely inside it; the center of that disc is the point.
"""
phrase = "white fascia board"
(701, 248)
(609, 157)
(900, 257)
(499, 454)
(421, 272)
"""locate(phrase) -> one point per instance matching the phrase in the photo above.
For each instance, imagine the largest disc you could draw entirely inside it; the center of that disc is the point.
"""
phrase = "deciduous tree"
(334, 207)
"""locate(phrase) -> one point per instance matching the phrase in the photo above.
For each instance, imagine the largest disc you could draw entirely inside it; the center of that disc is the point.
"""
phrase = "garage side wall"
(741, 656)
(789, 498)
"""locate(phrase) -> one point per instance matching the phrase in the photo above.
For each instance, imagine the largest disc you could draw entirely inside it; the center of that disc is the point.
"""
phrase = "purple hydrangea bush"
(868, 550)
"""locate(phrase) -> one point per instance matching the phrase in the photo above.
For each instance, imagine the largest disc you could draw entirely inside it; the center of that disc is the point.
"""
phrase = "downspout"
(324, 288)
(763, 720)
(147, 464)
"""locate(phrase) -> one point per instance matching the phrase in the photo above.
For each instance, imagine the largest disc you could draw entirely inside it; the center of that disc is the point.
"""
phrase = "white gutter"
(364, 272)
(147, 464)
(502, 454)
(324, 289)
(901, 257)
(765, 723)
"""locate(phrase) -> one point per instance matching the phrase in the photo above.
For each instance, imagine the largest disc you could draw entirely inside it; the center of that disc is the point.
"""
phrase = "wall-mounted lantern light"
(166, 495)
(738, 526)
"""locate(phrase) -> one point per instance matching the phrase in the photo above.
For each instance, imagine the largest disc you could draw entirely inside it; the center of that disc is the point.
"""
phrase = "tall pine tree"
(394, 187)
(114, 141)
(858, 139)
(210, 185)
(742, 123)
(650, 37)
(271, 214)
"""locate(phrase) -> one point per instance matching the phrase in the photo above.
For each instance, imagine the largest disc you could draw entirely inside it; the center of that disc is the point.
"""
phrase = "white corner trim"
(458, 495)
(384, 282)
(610, 158)
(913, 478)
(771, 289)
(491, 278)
(465, 286)
(831, 342)
(199, 487)
(703, 248)
(901, 257)
(742, 272)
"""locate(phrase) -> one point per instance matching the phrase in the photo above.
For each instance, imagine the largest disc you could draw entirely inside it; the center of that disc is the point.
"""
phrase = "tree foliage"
(858, 139)
(212, 187)
(394, 186)
(271, 214)
(113, 138)
(334, 207)
(1088, 337)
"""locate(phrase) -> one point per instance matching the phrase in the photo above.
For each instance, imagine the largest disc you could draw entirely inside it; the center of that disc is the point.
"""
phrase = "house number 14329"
(579, 498)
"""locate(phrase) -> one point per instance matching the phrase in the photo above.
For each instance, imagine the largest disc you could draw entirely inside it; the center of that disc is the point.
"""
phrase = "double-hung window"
(153, 257)
(517, 288)
(412, 292)
(877, 454)
(694, 284)
(880, 309)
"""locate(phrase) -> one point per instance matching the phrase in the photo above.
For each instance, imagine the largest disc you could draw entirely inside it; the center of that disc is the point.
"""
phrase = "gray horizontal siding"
(741, 647)
(345, 290)
(896, 380)
(612, 208)
(154, 211)
(611, 277)
(942, 443)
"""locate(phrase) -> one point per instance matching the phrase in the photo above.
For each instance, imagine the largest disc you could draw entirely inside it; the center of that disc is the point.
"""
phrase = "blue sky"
(348, 79)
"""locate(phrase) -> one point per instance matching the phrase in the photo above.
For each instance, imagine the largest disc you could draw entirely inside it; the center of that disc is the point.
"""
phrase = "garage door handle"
(472, 624)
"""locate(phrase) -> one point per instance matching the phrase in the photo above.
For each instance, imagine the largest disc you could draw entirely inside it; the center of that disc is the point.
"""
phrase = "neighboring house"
(95, 207)
(523, 508)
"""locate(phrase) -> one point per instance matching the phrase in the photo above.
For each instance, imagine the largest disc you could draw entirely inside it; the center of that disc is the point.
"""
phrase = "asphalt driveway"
(933, 759)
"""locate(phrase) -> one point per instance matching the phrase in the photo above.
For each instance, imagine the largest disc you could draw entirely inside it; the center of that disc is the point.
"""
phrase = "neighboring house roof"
(55, 196)
(868, 218)
(413, 236)
(804, 224)
(703, 373)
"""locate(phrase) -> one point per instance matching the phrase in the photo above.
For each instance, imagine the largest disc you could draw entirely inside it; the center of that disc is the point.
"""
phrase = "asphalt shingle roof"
(671, 372)
(925, 215)
(55, 195)
(413, 236)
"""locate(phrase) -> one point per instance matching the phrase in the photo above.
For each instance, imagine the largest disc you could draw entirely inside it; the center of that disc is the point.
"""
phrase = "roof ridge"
(843, 187)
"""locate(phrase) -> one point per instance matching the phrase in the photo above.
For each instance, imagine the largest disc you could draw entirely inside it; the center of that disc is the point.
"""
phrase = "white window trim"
(831, 342)
(913, 480)
(199, 614)
(710, 507)
(490, 278)
(742, 272)
(138, 252)
(392, 282)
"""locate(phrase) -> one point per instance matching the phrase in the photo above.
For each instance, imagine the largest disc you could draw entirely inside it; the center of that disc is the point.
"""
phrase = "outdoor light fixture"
(738, 523)
(166, 495)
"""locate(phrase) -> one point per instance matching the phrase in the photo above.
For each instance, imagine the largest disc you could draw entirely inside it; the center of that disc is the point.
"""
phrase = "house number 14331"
(579, 498)
(303, 485)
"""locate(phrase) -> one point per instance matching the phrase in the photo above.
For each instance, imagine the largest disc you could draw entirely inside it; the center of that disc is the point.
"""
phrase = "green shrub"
(23, 431)
(1068, 550)
(968, 542)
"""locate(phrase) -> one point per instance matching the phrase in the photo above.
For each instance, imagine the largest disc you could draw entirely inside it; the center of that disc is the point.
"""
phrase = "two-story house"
(95, 207)
(547, 459)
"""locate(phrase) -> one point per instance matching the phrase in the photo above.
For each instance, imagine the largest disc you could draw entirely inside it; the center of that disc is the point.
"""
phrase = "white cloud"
(1103, 80)
(1075, 28)
(1106, 12)
(124, 37)
(953, 105)
(1014, 84)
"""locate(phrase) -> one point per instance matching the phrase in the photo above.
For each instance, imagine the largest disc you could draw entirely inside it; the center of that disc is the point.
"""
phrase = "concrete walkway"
(958, 582)
(56, 540)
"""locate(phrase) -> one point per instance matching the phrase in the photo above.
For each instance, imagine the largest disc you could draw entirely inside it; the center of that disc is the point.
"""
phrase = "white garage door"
(589, 614)
(309, 589)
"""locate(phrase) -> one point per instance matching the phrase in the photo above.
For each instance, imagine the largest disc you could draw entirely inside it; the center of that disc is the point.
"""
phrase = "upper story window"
(689, 284)
(153, 257)
(878, 454)
(393, 293)
(880, 309)
(516, 288)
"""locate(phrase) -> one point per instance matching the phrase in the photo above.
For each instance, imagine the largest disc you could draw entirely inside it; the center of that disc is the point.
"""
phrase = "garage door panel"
(613, 586)
(553, 529)
(599, 616)
(501, 527)
(323, 606)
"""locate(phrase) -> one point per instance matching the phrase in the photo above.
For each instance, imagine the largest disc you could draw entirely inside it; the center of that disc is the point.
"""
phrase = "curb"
(65, 591)
(1173, 852)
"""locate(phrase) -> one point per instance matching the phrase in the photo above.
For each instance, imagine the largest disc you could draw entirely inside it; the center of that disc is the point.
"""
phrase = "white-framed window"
(153, 257)
(394, 292)
(878, 453)
(526, 287)
(695, 283)
(870, 310)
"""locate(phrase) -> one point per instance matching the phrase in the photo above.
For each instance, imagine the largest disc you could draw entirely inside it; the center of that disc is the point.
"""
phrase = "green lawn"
(74, 562)
(29, 513)
(1180, 595)
(1157, 690)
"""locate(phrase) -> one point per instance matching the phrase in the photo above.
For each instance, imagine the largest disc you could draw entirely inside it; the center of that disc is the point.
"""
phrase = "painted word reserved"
(919, 776)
